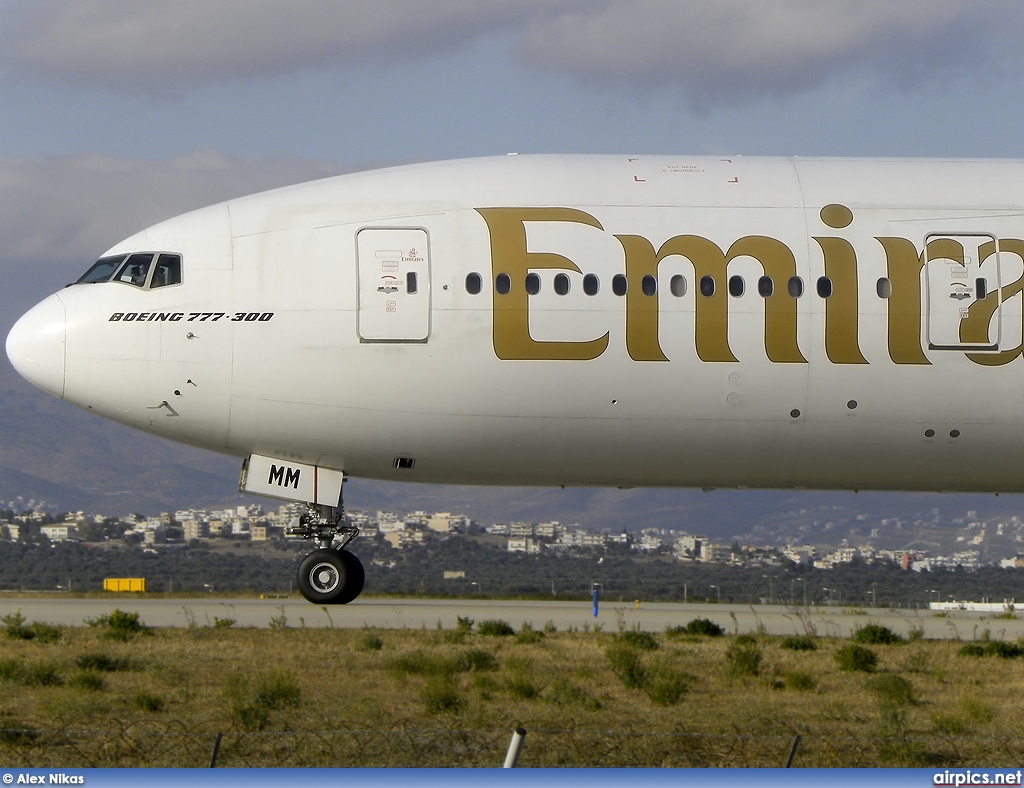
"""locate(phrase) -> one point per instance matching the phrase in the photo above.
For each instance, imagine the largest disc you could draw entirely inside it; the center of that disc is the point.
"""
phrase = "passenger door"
(394, 284)
(961, 271)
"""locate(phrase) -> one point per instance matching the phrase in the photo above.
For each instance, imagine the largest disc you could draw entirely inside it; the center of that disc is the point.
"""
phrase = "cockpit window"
(101, 270)
(135, 269)
(155, 269)
(168, 271)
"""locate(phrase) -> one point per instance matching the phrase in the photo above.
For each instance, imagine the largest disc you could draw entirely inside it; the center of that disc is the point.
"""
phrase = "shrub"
(1000, 648)
(978, 710)
(15, 629)
(252, 701)
(14, 626)
(522, 688)
(992, 648)
(277, 690)
(440, 697)
(223, 623)
(665, 686)
(876, 635)
(853, 658)
(40, 674)
(249, 716)
(147, 702)
(744, 656)
(892, 690)
(485, 685)
(18, 735)
(916, 662)
(10, 670)
(799, 681)
(626, 664)
(495, 628)
(704, 627)
(278, 622)
(463, 624)
(120, 625)
(527, 635)
(565, 693)
(87, 680)
(644, 641)
(371, 641)
(799, 643)
(420, 663)
(103, 663)
(46, 633)
(477, 659)
(951, 724)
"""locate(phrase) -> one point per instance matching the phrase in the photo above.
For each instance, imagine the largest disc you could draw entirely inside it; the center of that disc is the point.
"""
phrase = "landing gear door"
(962, 281)
(394, 284)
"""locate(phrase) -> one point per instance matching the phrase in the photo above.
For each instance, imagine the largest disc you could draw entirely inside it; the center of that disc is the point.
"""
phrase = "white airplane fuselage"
(795, 323)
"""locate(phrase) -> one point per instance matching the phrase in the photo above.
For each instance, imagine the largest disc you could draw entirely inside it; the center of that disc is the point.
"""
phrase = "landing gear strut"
(330, 575)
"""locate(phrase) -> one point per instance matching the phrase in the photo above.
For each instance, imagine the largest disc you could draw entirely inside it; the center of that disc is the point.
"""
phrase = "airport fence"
(142, 746)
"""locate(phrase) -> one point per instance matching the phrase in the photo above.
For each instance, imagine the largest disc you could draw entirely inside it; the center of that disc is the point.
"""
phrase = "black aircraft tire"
(354, 578)
(323, 577)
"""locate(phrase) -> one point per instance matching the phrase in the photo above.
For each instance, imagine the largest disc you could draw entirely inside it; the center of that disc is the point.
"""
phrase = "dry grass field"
(119, 695)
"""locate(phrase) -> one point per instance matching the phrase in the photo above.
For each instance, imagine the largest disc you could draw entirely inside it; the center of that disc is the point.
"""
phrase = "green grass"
(315, 697)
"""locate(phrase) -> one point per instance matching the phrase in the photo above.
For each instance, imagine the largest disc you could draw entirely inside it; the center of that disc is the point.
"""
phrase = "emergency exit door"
(394, 284)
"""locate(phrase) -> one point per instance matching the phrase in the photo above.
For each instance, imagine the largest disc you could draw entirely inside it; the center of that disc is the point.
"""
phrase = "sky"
(117, 114)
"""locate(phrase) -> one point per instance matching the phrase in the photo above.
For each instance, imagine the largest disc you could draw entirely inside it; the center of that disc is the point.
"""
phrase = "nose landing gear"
(330, 575)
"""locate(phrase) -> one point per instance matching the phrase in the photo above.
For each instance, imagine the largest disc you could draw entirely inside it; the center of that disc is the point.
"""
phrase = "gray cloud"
(710, 51)
(161, 47)
(727, 51)
(72, 208)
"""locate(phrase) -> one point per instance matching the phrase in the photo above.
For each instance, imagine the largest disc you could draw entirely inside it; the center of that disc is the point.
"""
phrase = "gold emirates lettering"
(904, 264)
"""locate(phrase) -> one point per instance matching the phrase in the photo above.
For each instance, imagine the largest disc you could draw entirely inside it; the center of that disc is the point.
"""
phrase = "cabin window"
(473, 283)
(619, 285)
(532, 284)
(707, 286)
(591, 284)
(411, 285)
(503, 284)
(649, 285)
(135, 269)
(824, 286)
(980, 288)
(167, 271)
(101, 270)
(765, 287)
(561, 284)
(677, 285)
(795, 286)
(736, 286)
(883, 287)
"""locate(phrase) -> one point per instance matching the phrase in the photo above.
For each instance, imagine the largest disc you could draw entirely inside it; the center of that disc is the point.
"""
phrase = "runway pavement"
(428, 613)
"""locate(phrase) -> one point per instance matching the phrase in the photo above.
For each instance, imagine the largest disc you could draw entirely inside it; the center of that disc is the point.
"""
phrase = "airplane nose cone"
(35, 345)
